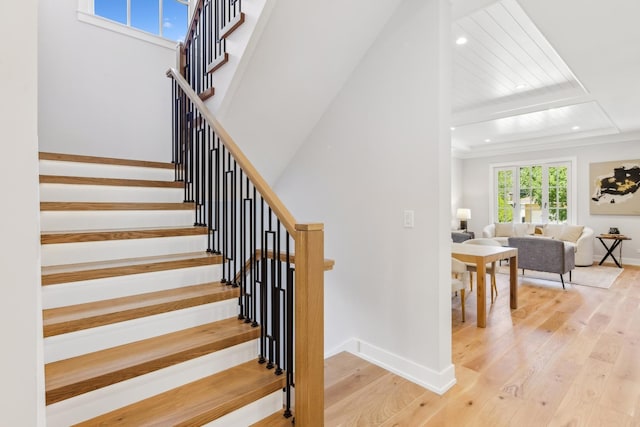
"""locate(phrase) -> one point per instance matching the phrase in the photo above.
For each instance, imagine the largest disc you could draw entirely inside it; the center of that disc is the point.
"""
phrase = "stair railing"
(279, 291)
(204, 47)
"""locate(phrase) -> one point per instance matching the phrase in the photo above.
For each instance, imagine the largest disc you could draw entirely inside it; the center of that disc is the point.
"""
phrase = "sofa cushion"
(504, 229)
(523, 229)
(553, 230)
(571, 233)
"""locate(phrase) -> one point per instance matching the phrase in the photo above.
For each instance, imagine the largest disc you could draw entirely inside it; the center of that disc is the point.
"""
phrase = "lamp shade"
(463, 213)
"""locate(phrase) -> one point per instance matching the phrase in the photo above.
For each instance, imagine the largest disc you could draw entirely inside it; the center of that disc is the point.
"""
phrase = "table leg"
(513, 282)
(610, 251)
(481, 288)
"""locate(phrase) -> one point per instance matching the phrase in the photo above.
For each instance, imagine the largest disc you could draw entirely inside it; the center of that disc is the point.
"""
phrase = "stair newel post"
(309, 321)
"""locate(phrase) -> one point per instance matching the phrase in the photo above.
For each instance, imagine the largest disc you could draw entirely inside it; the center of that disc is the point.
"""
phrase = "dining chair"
(459, 277)
(490, 268)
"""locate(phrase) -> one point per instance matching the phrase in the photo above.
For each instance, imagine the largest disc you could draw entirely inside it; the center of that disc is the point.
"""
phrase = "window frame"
(86, 14)
(570, 162)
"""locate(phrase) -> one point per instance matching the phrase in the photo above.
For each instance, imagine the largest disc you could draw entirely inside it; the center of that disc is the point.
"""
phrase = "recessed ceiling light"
(452, 128)
(575, 128)
(521, 86)
(487, 140)
(461, 40)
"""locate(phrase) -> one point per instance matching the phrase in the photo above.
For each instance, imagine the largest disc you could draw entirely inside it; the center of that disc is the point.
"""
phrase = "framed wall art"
(614, 188)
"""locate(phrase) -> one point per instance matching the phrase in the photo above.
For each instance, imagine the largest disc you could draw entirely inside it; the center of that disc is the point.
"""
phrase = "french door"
(536, 193)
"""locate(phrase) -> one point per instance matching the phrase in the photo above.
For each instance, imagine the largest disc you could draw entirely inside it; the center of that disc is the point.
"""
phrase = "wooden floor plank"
(340, 366)
(564, 357)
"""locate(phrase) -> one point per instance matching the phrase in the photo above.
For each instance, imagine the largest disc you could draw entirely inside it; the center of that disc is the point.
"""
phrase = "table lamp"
(463, 215)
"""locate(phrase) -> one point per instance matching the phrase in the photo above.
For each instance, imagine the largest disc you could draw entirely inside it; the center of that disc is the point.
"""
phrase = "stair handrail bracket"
(277, 263)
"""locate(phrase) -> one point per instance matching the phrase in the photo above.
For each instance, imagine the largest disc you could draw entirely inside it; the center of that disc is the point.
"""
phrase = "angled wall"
(382, 147)
(303, 56)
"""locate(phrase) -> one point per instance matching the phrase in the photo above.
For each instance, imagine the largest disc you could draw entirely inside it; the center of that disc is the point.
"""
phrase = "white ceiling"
(537, 74)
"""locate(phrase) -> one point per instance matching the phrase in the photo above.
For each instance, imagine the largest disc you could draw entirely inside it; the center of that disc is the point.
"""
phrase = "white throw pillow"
(571, 233)
(523, 229)
(504, 229)
(552, 230)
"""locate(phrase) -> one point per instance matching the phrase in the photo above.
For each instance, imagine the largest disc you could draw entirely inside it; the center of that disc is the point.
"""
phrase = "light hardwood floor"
(563, 358)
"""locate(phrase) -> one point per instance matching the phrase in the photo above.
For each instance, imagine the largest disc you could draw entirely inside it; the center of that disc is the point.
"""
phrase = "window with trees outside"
(538, 193)
(164, 18)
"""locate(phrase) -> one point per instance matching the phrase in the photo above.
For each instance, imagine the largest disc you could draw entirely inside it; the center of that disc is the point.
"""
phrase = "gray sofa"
(583, 245)
(548, 255)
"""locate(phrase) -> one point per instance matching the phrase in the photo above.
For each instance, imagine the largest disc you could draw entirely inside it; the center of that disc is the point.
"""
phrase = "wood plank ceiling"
(511, 89)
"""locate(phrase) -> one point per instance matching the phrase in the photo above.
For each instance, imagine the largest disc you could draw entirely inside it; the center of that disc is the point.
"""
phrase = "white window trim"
(572, 218)
(86, 14)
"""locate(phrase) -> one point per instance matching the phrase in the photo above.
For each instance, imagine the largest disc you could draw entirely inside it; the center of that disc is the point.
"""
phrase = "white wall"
(381, 147)
(100, 92)
(22, 384)
(304, 55)
(477, 186)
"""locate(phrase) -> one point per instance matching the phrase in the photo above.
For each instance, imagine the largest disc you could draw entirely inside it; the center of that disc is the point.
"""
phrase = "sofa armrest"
(584, 248)
(489, 231)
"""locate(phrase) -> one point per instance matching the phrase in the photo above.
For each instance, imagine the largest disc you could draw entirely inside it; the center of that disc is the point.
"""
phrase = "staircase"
(138, 328)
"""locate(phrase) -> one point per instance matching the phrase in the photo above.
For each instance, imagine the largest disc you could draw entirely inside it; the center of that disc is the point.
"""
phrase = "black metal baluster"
(210, 202)
(271, 286)
(277, 312)
(263, 286)
(218, 202)
(234, 217)
(240, 254)
(254, 264)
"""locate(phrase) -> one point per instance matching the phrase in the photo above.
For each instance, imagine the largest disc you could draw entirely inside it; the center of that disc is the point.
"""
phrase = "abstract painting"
(614, 188)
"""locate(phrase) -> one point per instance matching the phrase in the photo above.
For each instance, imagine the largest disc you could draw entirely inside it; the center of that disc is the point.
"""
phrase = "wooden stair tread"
(51, 237)
(198, 402)
(113, 206)
(88, 372)
(96, 270)
(275, 420)
(118, 182)
(104, 160)
(73, 318)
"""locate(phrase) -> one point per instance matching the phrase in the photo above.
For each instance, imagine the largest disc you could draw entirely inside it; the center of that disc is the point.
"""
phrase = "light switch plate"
(408, 218)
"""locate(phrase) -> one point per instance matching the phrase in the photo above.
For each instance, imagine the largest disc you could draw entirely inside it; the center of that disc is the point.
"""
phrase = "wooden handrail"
(327, 264)
(269, 254)
(281, 211)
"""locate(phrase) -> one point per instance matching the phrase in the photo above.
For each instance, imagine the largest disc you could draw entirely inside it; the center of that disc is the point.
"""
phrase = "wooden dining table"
(481, 255)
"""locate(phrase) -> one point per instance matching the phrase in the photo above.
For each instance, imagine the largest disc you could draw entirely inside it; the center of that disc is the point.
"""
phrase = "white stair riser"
(101, 220)
(89, 405)
(108, 193)
(89, 340)
(84, 291)
(74, 253)
(251, 413)
(54, 167)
